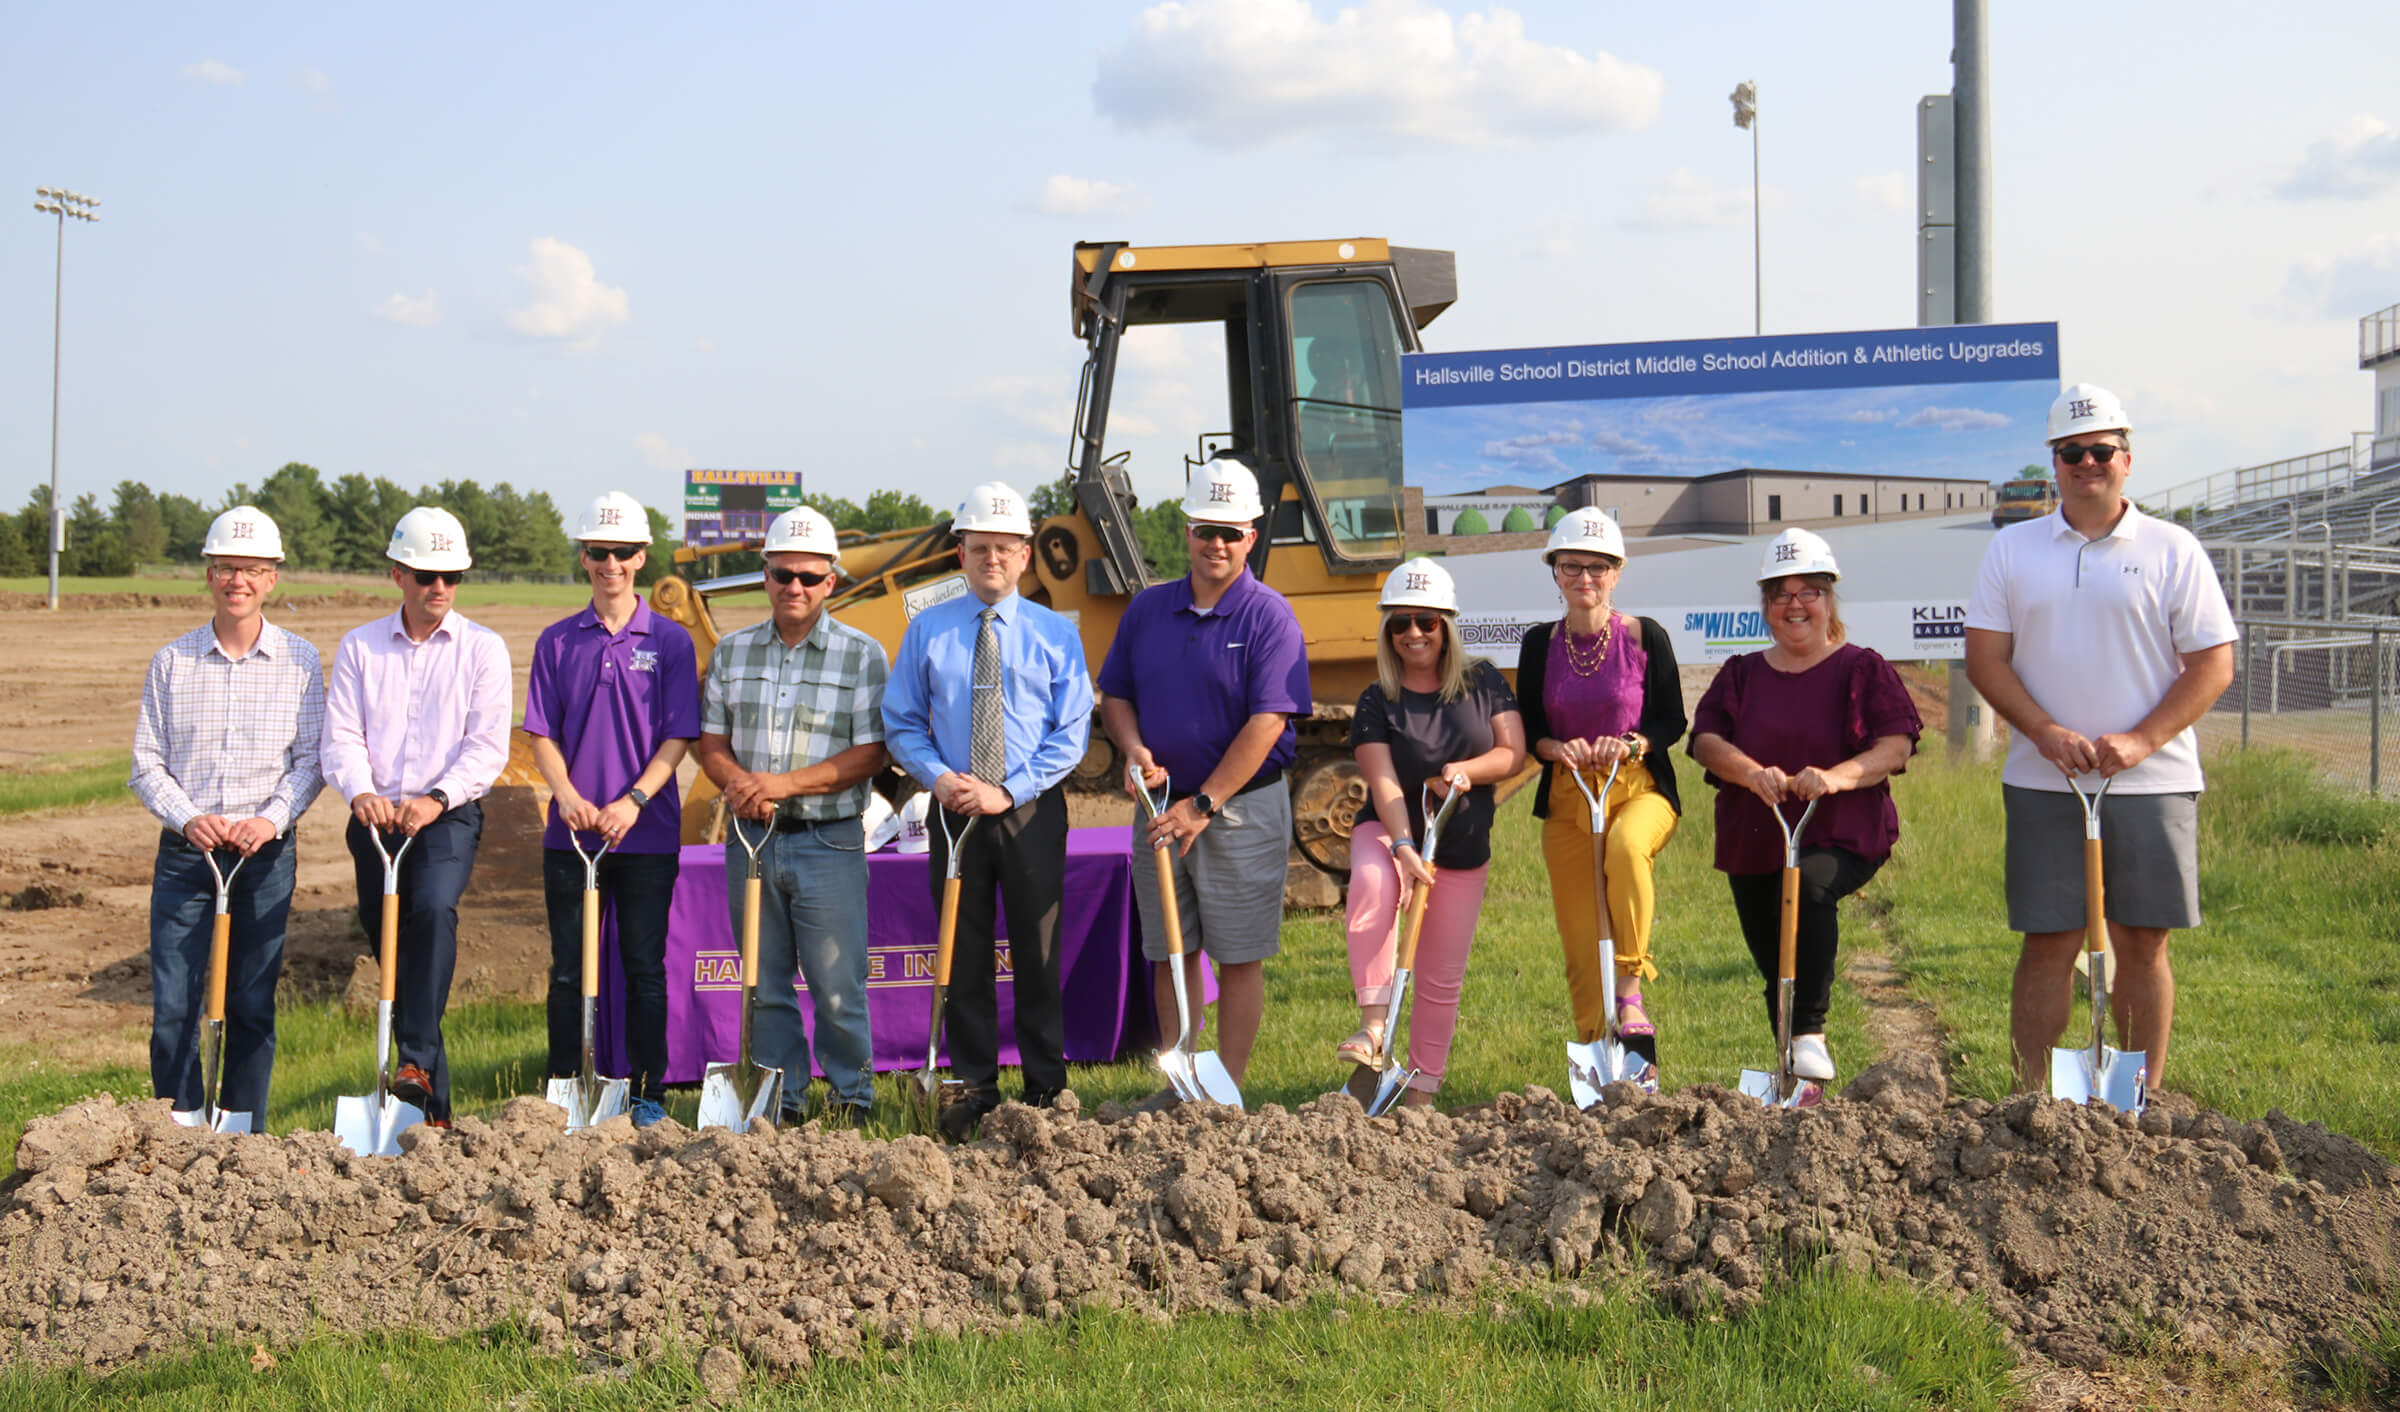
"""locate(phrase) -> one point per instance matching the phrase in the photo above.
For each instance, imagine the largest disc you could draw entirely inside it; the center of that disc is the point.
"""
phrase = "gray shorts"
(1229, 888)
(2149, 859)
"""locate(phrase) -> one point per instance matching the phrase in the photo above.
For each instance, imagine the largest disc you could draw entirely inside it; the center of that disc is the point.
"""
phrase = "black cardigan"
(1662, 720)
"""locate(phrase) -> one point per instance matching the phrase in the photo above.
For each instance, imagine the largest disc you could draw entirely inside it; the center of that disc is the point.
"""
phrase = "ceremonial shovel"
(922, 1091)
(1605, 1060)
(212, 1029)
(370, 1124)
(587, 1097)
(1783, 1088)
(1394, 1079)
(1194, 1075)
(744, 1092)
(2117, 1078)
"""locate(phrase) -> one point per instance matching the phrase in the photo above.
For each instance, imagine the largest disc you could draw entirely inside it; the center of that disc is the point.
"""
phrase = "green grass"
(63, 781)
(302, 585)
(1818, 1342)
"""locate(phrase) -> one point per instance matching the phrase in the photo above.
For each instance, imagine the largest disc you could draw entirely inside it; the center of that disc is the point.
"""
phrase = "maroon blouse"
(1792, 720)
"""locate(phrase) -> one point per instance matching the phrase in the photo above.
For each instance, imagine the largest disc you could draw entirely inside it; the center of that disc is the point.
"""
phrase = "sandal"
(1363, 1049)
(1639, 1027)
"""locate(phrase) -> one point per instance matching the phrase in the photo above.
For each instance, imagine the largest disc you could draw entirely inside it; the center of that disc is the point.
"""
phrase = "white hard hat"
(881, 822)
(913, 838)
(1223, 493)
(614, 518)
(244, 532)
(1420, 583)
(2087, 407)
(430, 538)
(1586, 531)
(1798, 551)
(993, 507)
(803, 530)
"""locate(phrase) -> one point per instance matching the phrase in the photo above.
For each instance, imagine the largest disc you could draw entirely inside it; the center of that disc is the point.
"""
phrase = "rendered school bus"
(1313, 332)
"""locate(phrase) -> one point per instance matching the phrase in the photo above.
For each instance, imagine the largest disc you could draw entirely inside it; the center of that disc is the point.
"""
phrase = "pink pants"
(1441, 969)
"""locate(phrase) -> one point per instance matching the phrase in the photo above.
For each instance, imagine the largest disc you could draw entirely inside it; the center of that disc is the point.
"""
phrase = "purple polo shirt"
(609, 701)
(1196, 678)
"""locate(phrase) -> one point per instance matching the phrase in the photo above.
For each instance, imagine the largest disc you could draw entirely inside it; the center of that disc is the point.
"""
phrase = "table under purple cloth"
(1103, 980)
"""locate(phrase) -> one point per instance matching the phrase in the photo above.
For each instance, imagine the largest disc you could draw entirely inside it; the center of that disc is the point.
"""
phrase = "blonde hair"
(1452, 665)
(1834, 631)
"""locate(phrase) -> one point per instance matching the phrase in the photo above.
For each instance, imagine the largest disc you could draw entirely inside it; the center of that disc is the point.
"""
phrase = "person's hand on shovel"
(376, 812)
(249, 835)
(206, 832)
(1153, 773)
(416, 814)
(612, 822)
(2066, 749)
(2120, 751)
(1771, 785)
(1415, 872)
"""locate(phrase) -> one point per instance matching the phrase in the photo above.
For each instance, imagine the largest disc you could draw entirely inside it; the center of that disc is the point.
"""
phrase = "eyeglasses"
(452, 577)
(1222, 534)
(248, 573)
(622, 553)
(1586, 571)
(806, 578)
(1804, 595)
(1427, 623)
(2103, 453)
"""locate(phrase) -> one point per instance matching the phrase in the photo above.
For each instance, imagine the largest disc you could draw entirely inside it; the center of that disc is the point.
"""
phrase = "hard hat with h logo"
(913, 837)
(1585, 531)
(993, 507)
(243, 532)
(1223, 492)
(1420, 583)
(430, 538)
(614, 518)
(2087, 407)
(1798, 551)
(802, 530)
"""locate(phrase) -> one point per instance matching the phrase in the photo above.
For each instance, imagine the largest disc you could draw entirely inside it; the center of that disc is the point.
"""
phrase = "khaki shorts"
(2149, 859)
(1229, 888)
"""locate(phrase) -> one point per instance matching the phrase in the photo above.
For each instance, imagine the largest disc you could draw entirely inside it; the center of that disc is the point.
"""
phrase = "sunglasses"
(453, 577)
(622, 553)
(1805, 595)
(806, 578)
(1222, 534)
(2073, 455)
(1427, 623)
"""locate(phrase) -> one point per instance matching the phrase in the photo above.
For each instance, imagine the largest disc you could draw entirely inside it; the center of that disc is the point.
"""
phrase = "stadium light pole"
(1745, 115)
(63, 204)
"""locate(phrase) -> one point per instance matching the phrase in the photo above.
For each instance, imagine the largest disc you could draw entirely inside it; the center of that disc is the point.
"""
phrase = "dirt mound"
(129, 1234)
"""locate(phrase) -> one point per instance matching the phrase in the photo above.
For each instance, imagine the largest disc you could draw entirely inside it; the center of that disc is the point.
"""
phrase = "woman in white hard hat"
(1600, 690)
(1433, 715)
(1811, 717)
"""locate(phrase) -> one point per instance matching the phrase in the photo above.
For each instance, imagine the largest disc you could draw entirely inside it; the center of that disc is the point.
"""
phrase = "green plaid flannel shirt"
(781, 708)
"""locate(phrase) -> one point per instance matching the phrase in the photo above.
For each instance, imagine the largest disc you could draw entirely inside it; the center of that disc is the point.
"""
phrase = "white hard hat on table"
(1797, 551)
(1223, 492)
(993, 507)
(2087, 407)
(1586, 531)
(880, 821)
(1420, 583)
(243, 532)
(431, 539)
(803, 530)
(614, 518)
(913, 838)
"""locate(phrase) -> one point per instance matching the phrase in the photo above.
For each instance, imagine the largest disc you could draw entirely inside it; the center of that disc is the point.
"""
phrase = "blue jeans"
(432, 877)
(812, 920)
(183, 906)
(643, 887)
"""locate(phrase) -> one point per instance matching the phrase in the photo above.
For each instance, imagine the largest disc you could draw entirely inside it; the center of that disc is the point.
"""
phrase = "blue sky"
(576, 247)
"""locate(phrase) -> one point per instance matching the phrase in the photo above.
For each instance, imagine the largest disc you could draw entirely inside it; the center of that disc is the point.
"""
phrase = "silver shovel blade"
(1199, 1076)
(1804, 1093)
(739, 1095)
(371, 1129)
(1592, 1067)
(223, 1122)
(2119, 1079)
(1395, 1081)
(588, 1101)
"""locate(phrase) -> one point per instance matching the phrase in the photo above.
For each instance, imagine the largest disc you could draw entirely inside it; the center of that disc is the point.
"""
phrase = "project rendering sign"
(721, 507)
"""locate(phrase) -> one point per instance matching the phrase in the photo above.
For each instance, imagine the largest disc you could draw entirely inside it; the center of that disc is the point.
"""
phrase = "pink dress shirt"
(405, 717)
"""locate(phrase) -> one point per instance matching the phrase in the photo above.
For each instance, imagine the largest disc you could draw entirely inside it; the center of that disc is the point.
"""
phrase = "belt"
(1270, 777)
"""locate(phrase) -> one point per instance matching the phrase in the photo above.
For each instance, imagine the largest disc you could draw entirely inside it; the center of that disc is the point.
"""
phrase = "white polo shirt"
(2099, 627)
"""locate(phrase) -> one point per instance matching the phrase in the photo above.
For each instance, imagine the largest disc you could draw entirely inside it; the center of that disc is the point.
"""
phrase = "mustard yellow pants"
(1640, 821)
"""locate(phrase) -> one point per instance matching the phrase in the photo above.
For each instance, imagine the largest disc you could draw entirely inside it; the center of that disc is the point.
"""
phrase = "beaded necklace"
(1577, 661)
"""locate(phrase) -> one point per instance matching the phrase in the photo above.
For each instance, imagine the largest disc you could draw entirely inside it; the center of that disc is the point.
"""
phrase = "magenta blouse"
(1609, 701)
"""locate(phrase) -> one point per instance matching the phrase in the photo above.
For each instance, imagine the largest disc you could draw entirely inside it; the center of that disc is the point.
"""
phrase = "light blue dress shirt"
(1046, 694)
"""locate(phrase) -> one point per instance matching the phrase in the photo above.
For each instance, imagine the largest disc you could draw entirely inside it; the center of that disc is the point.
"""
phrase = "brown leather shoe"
(413, 1086)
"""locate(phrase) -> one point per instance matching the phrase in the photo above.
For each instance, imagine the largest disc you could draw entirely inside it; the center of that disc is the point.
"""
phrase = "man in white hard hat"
(1198, 689)
(2100, 635)
(612, 703)
(791, 729)
(225, 755)
(416, 730)
(990, 706)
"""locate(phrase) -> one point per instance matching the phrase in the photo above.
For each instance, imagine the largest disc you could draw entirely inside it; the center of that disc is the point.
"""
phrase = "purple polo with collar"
(608, 701)
(1196, 678)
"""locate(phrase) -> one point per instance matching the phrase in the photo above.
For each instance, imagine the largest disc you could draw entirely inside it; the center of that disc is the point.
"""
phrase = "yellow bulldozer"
(1313, 333)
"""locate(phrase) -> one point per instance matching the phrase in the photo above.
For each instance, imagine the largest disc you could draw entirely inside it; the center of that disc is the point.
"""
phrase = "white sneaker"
(1810, 1058)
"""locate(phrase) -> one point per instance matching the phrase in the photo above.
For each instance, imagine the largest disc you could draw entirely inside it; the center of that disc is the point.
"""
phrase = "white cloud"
(1239, 73)
(2347, 285)
(315, 81)
(402, 309)
(210, 71)
(1867, 416)
(1884, 191)
(1689, 200)
(569, 301)
(1954, 419)
(1089, 196)
(659, 455)
(2364, 160)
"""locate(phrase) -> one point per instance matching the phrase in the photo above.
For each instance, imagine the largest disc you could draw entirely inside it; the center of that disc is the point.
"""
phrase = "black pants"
(1023, 855)
(1827, 875)
(433, 875)
(643, 887)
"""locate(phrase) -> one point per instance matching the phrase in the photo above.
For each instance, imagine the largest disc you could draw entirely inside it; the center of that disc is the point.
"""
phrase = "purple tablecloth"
(1103, 980)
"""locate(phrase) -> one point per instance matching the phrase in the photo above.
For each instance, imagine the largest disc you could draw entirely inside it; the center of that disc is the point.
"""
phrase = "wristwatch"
(1206, 805)
(441, 800)
(640, 800)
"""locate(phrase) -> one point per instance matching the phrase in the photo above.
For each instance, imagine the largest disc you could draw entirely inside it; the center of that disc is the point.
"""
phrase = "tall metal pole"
(1971, 95)
(1758, 278)
(58, 299)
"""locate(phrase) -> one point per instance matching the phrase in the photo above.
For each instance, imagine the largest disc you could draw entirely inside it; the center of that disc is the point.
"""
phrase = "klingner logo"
(1937, 622)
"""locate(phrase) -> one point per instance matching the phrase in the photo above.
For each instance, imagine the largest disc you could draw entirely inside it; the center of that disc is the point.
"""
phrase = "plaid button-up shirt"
(784, 707)
(235, 736)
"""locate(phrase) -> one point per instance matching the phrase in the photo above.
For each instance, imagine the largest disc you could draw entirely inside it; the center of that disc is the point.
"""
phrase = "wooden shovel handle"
(1787, 938)
(388, 954)
(591, 943)
(1422, 894)
(750, 895)
(2095, 912)
(220, 944)
(947, 941)
(1168, 911)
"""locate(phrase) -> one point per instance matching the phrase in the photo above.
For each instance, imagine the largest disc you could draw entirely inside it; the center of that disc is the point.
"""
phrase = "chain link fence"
(2327, 690)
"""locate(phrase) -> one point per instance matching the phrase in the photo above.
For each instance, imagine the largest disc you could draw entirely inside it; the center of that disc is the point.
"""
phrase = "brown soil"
(129, 1235)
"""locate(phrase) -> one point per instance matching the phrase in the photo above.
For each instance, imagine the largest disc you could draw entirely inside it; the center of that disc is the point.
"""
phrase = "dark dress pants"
(433, 875)
(642, 885)
(1022, 855)
(1827, 875)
